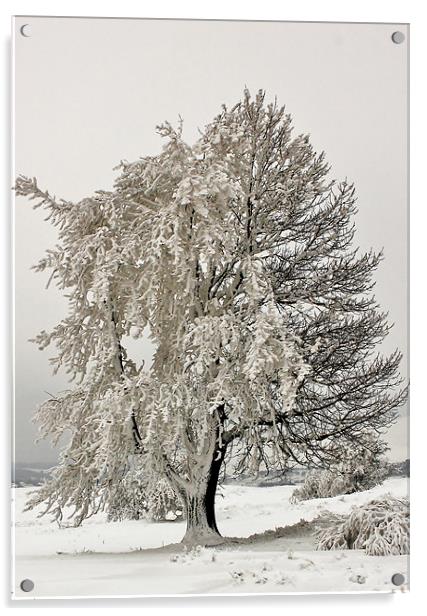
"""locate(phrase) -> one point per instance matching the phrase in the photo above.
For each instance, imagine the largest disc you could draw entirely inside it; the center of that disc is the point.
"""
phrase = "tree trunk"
(200, 507)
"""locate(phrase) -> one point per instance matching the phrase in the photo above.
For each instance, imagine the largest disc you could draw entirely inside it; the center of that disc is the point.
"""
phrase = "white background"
(324, 10)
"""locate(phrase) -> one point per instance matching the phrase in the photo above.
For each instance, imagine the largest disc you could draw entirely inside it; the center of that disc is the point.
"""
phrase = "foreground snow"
(143, 558)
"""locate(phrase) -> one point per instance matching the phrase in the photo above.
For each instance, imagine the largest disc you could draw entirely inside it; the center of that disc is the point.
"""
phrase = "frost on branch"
(236, 255)
(381, 528)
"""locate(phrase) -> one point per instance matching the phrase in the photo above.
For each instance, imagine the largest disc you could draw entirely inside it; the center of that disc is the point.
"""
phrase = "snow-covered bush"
(128, 502)
(313, 487)
(323, 484)
(359, 468)
(381, 527)
(133, 500)
(163, 503)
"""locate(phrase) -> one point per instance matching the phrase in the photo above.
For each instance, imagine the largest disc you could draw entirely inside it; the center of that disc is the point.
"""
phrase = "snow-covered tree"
(236, 255)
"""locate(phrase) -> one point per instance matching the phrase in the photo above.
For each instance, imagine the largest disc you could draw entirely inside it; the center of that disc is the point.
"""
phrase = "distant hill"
(399, 469)
(35, 473)
(30, 473)
(296, 475)
(273, 478)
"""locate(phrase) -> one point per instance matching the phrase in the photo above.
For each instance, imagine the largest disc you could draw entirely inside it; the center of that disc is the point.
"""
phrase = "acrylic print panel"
(217, 392)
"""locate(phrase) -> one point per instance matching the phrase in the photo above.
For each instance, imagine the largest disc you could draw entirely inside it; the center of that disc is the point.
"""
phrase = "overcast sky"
(89, 92)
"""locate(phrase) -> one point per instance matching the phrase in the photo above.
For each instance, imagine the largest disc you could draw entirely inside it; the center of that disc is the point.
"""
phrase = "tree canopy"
(235, 255)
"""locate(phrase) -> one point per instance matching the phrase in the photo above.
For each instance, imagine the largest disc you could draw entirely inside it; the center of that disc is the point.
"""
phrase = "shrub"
(381, 528)
(358, 469)
(163, 503)
(134, 500)
(129, 500)
(319, 484)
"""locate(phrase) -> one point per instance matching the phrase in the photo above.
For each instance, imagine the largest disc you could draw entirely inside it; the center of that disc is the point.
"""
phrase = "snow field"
(145, 558)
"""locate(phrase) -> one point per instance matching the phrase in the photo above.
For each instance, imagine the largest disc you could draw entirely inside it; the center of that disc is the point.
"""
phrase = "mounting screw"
(398, 37)
(27, 585)
(25, 30)
(398, 579)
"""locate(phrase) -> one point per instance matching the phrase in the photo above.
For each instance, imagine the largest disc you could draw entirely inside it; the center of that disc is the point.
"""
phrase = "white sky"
(90, 92)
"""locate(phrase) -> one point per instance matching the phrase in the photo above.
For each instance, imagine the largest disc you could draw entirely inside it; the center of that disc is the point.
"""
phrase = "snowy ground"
(143, 558)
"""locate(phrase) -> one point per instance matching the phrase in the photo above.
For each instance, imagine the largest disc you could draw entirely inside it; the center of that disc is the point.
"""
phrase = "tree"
(236, 255)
